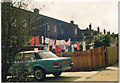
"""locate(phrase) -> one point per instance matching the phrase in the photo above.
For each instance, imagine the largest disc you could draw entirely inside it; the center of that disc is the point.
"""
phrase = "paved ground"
(108, 74)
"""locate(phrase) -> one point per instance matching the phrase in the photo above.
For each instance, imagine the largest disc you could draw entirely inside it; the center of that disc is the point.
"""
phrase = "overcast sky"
(102, 13)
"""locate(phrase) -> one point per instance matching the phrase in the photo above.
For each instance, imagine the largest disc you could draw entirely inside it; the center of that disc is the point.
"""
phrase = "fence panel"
(91, 59)
(112, 55)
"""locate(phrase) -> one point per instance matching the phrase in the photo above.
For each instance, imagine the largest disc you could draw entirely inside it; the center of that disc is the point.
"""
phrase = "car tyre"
(57, 74)
(39, 74)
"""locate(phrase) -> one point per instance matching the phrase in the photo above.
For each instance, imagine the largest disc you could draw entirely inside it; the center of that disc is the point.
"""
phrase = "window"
(62, 31)
(47, 55)
(91, 34)
(75, 31)
(13, 20)
(48, 27)
(24, 23)
(29, 56)
(55, 29)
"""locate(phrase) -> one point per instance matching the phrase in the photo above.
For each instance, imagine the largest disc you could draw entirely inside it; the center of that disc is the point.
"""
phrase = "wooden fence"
(91, 59)
(112, 55)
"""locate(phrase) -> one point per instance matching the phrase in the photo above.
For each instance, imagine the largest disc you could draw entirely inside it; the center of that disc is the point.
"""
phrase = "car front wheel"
(57, 74)
(39, 74)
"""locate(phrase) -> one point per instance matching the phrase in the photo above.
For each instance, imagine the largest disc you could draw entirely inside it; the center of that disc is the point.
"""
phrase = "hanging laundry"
(69, 48)
(62, 47)
(59, 48)
(48, 48)
(47, 40)
(78, 46)
(37, 40)
(75, 45)
(56, 49)
(42, 40)
(44, 48)
(62, 42)
(53, 47)
(31, 40)
(66, 50)
(72, 48)
(57, 42)
(84, 46)
(68, 43)
(51, 42)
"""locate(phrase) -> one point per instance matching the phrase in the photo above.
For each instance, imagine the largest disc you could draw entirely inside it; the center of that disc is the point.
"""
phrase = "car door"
(17, 65)
(29, 61)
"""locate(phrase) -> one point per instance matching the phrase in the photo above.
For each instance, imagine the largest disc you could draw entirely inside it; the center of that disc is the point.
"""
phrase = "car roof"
(33, 51)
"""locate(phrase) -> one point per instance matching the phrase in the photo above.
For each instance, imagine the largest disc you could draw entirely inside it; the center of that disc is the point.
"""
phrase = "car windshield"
(47, 55)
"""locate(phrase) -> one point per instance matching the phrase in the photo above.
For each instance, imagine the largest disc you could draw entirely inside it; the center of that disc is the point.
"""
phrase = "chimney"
(104, 31)
(72, 22)
(36, 11)
(98, 29)
(90, 26)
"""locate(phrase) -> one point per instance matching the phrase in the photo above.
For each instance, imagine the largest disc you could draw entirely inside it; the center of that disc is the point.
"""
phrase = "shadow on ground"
(49, 79)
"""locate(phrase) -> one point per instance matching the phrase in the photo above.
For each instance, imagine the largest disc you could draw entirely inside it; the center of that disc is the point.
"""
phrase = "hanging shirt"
(31, 40)
(56, 49)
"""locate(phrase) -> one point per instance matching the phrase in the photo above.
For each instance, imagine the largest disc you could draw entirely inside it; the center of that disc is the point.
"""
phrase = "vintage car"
(42, 63)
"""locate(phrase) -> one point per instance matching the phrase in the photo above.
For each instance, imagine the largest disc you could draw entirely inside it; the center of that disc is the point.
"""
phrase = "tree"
(13, 36)
(102, 40)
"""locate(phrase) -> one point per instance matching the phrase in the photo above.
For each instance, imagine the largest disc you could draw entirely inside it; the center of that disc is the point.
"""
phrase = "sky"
(102, 13)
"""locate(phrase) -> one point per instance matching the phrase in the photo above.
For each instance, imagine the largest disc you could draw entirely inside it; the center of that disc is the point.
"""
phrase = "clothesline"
(56, 45)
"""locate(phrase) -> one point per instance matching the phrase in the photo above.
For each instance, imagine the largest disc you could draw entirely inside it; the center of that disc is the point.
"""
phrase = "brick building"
(35, 24)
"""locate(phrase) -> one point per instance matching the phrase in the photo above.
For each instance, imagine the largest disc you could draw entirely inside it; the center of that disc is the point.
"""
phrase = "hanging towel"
(66, 50)
(47, 40)
(51, 42)
(62, 47)
(57, 42)
(42, 40)
(37, 40)
(84, 46)
(72, 48)
(78, 46)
